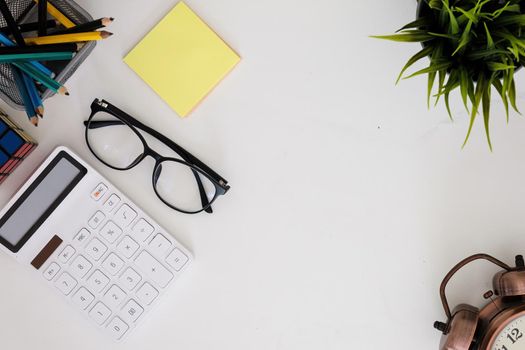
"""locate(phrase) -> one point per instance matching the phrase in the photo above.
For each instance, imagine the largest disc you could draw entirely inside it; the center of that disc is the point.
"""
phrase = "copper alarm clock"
(500, 325)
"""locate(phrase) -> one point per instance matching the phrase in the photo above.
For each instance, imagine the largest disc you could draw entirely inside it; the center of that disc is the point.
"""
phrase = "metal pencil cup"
(26, 11)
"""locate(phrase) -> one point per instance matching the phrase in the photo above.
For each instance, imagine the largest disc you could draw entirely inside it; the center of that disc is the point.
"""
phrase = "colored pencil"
(53, 11)
(42, 17)
(43, 56)
(68, 47)
(41, 77)
(30, 27)
(30, 109)
(67, 38)
(33, 95)
(7, 42)
(11, 23)
(86, 27)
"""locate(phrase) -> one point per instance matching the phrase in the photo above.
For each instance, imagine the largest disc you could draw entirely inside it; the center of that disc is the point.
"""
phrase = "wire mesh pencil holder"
(25, 11)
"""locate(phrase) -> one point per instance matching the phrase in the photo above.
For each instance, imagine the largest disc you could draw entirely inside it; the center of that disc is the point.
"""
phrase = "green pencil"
(41, 56)
(41, 77)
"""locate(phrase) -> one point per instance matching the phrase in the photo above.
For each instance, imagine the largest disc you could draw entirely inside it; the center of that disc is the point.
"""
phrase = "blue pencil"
(33, 95)
(8, 42)
(30, 109)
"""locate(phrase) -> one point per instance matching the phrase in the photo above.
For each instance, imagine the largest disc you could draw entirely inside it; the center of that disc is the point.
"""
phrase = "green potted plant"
(473, 46)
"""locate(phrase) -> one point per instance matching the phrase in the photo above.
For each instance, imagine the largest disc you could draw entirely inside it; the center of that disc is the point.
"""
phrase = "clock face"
(512, 336)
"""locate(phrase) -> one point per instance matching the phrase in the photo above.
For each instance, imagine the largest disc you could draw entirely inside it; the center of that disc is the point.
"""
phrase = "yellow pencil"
(67, 38)
(53, 11)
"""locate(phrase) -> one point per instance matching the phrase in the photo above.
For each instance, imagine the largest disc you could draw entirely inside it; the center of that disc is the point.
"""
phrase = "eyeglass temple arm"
(187, 156)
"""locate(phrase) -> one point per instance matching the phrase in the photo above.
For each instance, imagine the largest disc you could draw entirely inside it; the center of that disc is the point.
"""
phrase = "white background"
(349, 201)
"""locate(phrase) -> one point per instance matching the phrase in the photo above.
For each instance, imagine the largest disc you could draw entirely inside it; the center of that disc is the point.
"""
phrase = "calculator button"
(96, 248)
(127, 247)
(130, 278)
(97, 281)
(146, 294)
(177, 259)
(51, 271)
(111, 203)
(114, 296)
(100, 313)
(113, 264)
(132, 311)
(124, 215)
(159, 245)
(158, 273)
(65, 283)
(82, 236)
(80, 267)
(96, 219)
(99, 191)
(66, 254)
(110, 232)
(117, 328)
(142, 230)
(83, 298)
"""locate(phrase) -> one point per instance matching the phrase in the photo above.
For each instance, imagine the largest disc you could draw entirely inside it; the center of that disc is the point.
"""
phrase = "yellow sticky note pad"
(182, 59)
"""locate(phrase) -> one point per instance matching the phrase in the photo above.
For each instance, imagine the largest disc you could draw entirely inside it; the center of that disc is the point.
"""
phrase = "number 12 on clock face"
(510, 338)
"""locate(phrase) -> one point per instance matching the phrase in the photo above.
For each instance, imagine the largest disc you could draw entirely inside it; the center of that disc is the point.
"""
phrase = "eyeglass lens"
(116, 144)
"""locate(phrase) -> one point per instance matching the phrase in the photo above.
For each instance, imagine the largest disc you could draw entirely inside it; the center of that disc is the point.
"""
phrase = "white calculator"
(90, 243)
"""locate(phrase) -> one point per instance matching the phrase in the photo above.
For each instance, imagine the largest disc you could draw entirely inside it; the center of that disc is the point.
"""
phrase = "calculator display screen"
(39, 200)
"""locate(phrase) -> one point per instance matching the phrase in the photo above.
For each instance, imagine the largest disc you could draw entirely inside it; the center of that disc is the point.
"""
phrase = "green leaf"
(441, 83)
(486, 111)
(507, 8)
(475, 105)
(471, 90)
(423, 53)
(452, 83)
(499, 87)
(407, 37)
(432, 68)
(497, 66)
(490, 42)
(510, 20)
(446, 36)
(464, 80)
(465, 37)
(420, 22)
(506, 83)
(447, 104)
(512, 96)
(471, 15)
(484, 54)
(435, 4)
(430, 84)
(454, 27)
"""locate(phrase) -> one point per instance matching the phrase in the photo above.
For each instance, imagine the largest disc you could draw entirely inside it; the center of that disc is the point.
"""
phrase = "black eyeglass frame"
(198, 167)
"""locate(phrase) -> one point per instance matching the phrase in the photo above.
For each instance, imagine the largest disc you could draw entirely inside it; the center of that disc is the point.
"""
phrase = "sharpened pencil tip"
(106, 21)
(63, 91)
(105, 34)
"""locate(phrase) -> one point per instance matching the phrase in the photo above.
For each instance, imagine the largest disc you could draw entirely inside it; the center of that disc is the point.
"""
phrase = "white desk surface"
(349, 200)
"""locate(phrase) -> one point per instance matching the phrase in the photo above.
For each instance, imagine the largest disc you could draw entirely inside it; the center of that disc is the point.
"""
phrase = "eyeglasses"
(186, 185)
